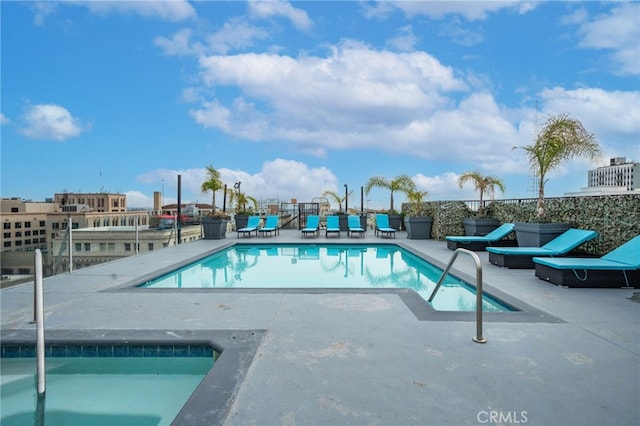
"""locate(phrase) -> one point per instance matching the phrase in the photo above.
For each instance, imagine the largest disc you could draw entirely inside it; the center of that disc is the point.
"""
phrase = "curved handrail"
(478, 338)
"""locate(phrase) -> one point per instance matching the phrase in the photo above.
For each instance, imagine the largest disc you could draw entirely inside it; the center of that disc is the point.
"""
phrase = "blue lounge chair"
(382, 226)
(252, 226)
(270, 226)
(333, 226)
(353, 226)
(477, 243)
(312, 228)
(618, 268)
(522, 257)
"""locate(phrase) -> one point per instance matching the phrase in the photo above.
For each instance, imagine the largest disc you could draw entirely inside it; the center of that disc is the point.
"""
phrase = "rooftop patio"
(367, 358)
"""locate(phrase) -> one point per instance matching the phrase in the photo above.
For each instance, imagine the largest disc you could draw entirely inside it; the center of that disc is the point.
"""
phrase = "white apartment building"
(619, 177)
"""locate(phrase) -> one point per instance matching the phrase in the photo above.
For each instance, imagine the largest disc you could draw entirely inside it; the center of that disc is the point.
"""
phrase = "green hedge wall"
(615, 217)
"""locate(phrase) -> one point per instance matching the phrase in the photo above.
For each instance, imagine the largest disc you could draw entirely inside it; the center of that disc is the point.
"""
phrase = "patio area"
(367, 358)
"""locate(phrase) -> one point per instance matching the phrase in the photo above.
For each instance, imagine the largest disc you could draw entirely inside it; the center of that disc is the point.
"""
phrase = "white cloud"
(460, 33)
(278, 179)
(136, 199)
(3, 119)
(353, 92)
(179, 44)
(42, 9)
(611, 116)
(471, 10)
(618, 32)
(172, 10)
(235, 34)
(268, 9)
(404, 41)
(50, 122)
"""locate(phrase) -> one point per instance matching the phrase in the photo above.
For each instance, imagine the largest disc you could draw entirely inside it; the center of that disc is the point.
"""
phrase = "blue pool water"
(282, 266)
(100, 390)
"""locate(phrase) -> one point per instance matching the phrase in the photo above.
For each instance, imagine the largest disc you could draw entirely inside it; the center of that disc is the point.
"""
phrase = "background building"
(619, 177)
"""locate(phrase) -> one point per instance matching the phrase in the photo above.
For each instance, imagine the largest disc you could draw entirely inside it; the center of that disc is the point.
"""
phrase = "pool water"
(284, 266)
(100, 390)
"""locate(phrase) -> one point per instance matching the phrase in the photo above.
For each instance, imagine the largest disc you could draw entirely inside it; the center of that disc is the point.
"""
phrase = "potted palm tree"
(342, 215)
(242, 211)
(214, 225)
(561, 138)
(402, 183)
(480, 224)
(417, 222)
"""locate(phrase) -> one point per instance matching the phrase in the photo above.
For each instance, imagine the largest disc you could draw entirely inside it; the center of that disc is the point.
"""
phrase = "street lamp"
(346, 199)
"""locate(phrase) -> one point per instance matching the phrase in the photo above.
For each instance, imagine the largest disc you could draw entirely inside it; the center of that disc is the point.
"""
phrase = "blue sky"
(295, 98)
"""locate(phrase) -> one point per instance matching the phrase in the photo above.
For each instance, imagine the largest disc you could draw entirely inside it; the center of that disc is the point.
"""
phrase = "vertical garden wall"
(615, 217)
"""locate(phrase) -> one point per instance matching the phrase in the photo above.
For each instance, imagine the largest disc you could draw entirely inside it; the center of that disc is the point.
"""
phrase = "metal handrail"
(478, 338)
(39, 315)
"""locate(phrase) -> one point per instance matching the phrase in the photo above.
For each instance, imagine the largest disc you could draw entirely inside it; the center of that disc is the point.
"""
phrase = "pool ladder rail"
(478, 337)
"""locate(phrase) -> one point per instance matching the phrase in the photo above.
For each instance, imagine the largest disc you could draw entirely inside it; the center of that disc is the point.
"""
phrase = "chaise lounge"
(312, 227)
(353, 223)
(494, 238)
(618, 268)
(382, 226)
(522, 257)
(333, 226)
(252, 226)
(270, 226)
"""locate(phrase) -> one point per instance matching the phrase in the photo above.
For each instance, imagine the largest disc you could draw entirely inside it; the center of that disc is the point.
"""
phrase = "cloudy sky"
(295, 98)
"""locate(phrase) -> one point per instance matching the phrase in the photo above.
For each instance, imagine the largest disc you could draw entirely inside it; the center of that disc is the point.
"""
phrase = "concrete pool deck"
(358, 358)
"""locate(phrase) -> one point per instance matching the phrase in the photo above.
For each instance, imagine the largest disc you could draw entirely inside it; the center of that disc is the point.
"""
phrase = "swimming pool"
(101, 384)
(326, 266)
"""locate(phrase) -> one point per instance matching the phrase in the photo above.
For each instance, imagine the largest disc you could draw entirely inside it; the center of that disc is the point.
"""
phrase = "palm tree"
(336, 197)
(483, 184)
(402, 183)
(213, 183)
(560, 139)
(416, 200)
(241, 200)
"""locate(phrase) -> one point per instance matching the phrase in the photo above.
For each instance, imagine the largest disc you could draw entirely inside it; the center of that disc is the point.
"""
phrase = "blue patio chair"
(478, 243)
(252, 226)
(333, 226)
(618, 268)
(382, 226)
(270, 226)
(353, 226)
(522, 257)
(312, 227)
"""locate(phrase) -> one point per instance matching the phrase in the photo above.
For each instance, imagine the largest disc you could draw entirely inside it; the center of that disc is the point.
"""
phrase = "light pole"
(346, 199)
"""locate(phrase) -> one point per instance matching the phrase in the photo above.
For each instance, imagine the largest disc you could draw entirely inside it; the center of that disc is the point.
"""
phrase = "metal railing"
(478, 337)
(39, 317)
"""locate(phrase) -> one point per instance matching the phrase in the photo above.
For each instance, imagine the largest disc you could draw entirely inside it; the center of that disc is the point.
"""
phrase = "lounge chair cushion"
(522, 257)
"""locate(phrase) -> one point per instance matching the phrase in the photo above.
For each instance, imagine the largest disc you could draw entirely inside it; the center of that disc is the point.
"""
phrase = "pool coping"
(422, 310)
(212, 399)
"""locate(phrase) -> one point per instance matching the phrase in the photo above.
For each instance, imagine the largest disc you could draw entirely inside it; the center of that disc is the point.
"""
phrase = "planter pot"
(534, 234)
(418, 227)
(241, 220)
(479, 226)
(363, 221)
(395, 221)
(343, 221)
(214, 228)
